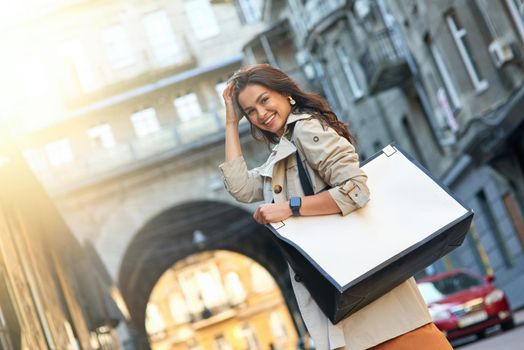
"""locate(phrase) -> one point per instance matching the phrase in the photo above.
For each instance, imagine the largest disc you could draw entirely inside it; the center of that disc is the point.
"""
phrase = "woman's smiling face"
(266, 109)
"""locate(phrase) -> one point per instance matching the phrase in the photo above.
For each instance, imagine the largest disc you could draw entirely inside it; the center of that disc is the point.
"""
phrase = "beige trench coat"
(330, 160)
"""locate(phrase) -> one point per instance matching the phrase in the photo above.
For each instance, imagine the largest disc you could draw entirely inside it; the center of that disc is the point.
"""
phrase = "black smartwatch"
(295, 203)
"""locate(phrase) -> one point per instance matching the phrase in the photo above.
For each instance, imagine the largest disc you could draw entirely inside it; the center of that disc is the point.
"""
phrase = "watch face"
(295, 202)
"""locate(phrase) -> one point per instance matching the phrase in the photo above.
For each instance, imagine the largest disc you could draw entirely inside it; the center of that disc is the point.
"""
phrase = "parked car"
(462, 303)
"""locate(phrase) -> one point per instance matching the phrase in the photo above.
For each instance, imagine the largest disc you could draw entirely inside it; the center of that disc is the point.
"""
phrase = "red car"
(461, 303)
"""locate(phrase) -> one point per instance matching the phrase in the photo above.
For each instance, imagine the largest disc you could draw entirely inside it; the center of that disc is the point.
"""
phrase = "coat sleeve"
(334, 158)
(244, 185)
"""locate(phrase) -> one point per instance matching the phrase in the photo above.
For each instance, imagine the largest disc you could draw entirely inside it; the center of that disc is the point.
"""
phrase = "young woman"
(283, 114)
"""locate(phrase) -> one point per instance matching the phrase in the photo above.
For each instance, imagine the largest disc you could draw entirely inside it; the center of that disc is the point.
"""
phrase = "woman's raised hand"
(233, 149)
(232, 116)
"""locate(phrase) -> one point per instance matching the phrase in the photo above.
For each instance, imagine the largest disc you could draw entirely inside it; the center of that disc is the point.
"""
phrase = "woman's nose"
(261, 112)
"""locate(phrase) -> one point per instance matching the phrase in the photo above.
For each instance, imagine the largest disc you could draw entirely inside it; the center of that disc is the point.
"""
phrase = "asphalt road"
(496, 339)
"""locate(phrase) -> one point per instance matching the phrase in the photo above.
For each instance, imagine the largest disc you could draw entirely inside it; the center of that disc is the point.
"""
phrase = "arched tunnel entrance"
(191, 228)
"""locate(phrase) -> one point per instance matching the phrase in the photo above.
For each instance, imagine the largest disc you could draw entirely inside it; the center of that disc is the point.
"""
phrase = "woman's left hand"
(274, 212)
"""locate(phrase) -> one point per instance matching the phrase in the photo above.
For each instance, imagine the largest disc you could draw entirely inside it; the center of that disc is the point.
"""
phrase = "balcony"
(318, 10)
(170, 141)
(384, 65)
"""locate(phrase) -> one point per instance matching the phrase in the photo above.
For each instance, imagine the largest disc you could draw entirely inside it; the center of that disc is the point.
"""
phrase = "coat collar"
(285, 147)
(293, 117)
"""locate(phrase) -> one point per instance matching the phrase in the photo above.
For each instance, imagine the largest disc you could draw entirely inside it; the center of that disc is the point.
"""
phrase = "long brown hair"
(306, 102)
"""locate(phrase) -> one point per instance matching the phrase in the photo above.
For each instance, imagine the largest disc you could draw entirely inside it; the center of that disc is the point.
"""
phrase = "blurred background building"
(117, 108)
(54, 293)
(218, 300)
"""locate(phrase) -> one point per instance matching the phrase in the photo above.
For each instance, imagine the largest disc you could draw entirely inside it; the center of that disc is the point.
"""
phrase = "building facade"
(469, 58)
(218, 300)
(44, 270)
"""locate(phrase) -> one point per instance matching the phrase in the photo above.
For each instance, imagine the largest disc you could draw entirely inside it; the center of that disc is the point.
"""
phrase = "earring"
(291, 101)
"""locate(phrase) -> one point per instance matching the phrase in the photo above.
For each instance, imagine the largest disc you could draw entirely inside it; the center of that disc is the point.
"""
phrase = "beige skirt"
(427, 337)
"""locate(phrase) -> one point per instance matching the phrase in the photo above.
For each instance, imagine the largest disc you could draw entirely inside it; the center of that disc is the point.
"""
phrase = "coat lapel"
(282, 150)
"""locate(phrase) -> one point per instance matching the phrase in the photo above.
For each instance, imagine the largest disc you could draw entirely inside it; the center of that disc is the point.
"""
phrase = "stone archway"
(169, 237)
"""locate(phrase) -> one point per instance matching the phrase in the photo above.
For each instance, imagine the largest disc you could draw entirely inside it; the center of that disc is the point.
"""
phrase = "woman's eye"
(264, 100)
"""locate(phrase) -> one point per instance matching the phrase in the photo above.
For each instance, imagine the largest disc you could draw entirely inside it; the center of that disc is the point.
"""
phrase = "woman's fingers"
(257, 216)
(274, 212)
(228, 94)
(229, 90)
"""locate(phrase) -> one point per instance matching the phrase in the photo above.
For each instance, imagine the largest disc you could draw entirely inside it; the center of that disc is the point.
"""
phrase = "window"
(202, 19)
(221, 343)
(154, 320)
(516, 9)
(117, 47)
(145, 122)
(295, 18)
(178, 308)
(347, 67)
(450, 89)
(479, 253)
(491, 22)
(234, 288)
(278, 328)
(161, 37)
(202, 288)
(339, 90)
(493, 229)
(187, 107)
(101, 136)
(250, 10)
(459, 35)
(59, 152)
(77, 58)
(515, 213)
(520, 5)
(326, 87)
(192, 295)
(211, 287)
(250, 338)
(261, 280)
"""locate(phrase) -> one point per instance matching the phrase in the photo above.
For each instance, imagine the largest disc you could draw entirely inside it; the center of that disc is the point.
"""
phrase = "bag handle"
(305, 182)
(304, 178)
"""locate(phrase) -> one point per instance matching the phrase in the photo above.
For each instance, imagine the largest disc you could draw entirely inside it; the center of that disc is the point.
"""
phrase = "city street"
(145, 145)
(511, 340)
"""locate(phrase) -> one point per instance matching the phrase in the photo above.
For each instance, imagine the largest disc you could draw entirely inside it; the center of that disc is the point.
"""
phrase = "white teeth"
(269, 120)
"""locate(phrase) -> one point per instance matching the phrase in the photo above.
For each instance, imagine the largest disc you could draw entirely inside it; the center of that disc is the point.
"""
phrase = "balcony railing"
(384, 65)
(318, 10)
(133, 153)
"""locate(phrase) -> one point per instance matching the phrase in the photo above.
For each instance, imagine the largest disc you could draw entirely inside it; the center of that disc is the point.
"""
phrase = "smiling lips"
(269, 120)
